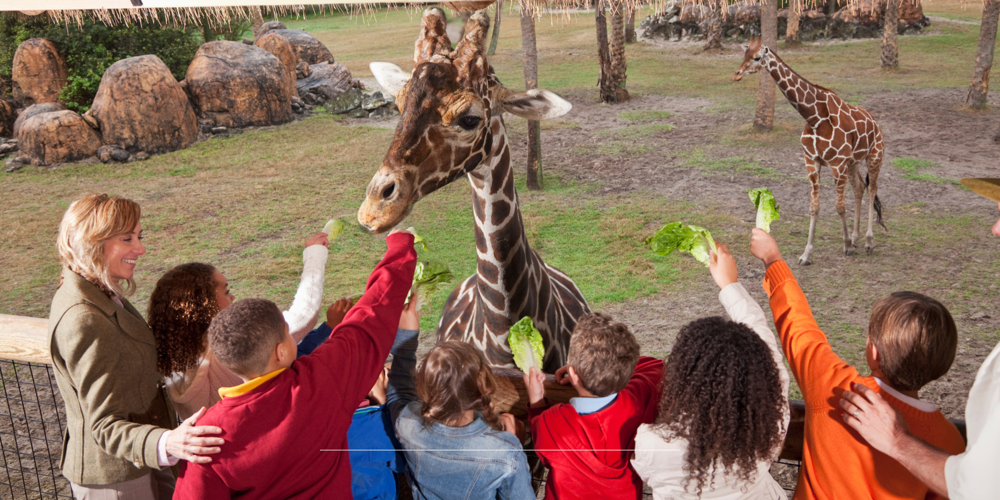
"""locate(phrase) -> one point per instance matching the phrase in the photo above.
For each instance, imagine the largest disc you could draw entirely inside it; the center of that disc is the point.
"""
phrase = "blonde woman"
(118, 443)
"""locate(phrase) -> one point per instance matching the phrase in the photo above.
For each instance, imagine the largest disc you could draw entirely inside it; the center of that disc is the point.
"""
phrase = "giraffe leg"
(841, 176)
(858, 184)
(813, 170)
(874, 165)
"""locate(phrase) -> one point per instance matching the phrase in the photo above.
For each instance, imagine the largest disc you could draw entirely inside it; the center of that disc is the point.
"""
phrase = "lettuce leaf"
(419, 240)
(333, 228)
(676, 236)
(428, 278)
(526, 345)
(767, 207)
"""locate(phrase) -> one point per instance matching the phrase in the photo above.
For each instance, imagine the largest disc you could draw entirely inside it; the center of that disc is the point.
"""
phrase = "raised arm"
(402, 389)
(301, 316)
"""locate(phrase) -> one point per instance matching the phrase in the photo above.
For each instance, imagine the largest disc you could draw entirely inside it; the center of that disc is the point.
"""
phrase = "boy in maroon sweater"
(285, 428)
(587, 445)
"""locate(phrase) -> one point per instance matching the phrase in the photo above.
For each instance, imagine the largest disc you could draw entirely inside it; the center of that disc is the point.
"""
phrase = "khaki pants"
(158, 485)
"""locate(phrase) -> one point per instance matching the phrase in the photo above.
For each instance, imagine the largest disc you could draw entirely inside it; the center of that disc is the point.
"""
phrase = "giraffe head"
(451, 107)
(755, 56)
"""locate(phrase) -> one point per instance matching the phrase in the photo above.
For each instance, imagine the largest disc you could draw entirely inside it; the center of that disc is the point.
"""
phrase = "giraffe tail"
(878, 207)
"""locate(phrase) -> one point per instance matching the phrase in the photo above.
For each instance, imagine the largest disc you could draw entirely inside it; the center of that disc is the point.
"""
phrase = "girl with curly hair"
(454, 441)
(182, 305)
(724, 411)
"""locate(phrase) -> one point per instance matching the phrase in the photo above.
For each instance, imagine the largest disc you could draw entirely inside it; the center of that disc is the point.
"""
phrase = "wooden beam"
(24, 339)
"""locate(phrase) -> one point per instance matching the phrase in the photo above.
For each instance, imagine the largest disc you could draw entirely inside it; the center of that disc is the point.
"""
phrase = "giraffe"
(451, 125)
(836, 134)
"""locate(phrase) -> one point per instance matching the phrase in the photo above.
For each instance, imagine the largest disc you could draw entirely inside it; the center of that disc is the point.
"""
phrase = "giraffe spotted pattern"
(836, 134)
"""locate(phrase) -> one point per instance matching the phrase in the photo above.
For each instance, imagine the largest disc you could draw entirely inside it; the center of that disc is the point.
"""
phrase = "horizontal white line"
(484, 450)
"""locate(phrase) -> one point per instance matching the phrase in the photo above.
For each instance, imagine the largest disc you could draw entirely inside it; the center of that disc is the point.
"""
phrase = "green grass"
(912, 170)
(723, 166)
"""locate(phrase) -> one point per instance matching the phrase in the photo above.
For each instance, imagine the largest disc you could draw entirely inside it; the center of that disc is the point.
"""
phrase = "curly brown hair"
(722, 394)
(180, 309)
(454, 378)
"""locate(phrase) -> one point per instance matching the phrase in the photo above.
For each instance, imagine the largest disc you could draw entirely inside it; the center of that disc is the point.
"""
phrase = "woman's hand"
(514, 426)
(336, 312)
(534, 382)
(410, 319)
(763, 246)
(723, 266)
(186, 441)
(318, 239)
(410, 230)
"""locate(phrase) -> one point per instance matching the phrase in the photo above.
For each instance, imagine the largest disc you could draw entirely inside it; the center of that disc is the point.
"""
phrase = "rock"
(7, 148)
(236, 85)
(36, 109)
(376, 100)
(57, 137)
(279, 47)
(325, 81)
(307, 48)
(141, 155)
(267, 27)
(38, 72)
(120, 155)
(141, 107)
(302, 70)
(219, 130)
(358, 113)
(345, 102)
(112, 152)
(10, 141)
(8, 116)
(383, 112)
(247, 41)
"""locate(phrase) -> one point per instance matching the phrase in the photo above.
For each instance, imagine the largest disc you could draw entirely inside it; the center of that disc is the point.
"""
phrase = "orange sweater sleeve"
(816, 368)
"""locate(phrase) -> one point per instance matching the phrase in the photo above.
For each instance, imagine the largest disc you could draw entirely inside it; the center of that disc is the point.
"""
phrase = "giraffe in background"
(451, 126)
(837, 134)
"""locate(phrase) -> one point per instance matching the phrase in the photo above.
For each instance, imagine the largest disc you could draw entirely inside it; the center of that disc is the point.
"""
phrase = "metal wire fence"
(32, 422)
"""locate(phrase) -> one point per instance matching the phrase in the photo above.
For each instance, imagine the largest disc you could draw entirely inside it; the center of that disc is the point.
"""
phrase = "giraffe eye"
(469, 122)
(756, 58)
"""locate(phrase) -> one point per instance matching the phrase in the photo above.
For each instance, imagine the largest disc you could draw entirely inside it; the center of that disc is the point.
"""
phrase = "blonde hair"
(87, 224)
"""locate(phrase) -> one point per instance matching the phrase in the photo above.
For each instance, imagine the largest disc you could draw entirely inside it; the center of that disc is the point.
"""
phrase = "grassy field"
(246, 203)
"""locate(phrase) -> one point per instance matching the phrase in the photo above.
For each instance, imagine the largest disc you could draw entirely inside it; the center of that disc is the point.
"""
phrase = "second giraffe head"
(450, 123)
(754, 57)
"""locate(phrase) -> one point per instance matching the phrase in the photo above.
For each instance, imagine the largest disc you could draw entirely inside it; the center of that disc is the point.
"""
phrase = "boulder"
(345, 102)
(267, 27)
(235, 85)
(8, 116)
(325, 81)
(57, 137)
(140, 106)
(279, 47)
(376, 100)
(112, 152)
(38, 72)
(912, 13)
(307, 48)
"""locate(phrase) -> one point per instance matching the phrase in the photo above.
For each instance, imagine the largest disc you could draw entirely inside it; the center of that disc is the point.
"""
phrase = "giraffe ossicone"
(837, 134)
(451, 126)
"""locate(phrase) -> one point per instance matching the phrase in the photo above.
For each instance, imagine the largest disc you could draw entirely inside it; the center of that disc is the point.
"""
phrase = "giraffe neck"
(505, 262)
(801, 94)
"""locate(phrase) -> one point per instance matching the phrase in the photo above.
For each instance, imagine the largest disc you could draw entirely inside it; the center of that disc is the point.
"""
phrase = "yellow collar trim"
(249, 385)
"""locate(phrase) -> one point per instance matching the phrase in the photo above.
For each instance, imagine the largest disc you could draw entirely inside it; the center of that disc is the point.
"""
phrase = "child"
(587, 444)
(723, 409)
(454, 441)
(286, 426)
(185, 300)
(912, 340)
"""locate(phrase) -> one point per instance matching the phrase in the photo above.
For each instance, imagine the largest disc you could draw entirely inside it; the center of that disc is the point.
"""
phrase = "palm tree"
(712, 25)
(617, 45)
(792, 27)
(763, 118)
(496, 30)
(890, 22)
(984, 55)
(611, 87)
(531, 82)
(630, 27)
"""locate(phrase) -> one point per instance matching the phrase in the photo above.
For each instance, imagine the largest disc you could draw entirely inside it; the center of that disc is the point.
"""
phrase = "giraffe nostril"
(389, 191)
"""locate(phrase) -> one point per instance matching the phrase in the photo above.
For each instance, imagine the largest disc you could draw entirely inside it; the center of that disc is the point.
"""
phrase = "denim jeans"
(462, 463)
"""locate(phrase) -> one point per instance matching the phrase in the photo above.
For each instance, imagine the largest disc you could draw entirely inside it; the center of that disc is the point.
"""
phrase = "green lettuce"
(767, 207)
(419, 240)
(428, 278)
(676, 236)
(526, 345)
(333, 228)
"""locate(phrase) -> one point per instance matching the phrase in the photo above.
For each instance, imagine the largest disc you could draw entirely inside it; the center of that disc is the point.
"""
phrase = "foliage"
(676, 236)
(526, 345)
(89, 50)
(767, 207)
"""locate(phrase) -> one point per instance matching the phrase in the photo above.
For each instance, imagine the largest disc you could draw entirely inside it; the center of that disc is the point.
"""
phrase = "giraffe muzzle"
(385, 204)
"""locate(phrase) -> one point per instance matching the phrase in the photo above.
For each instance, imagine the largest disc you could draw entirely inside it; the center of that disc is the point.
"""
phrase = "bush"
(90, 50)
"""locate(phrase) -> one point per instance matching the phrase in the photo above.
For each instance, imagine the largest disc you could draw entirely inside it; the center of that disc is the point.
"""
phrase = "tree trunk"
(258, 20)
(984, 55)
(616, 47)
(763, 118)
(534, 179)
(792, 28)
(496, 30)
(712, 26)
(890, 32)
(606, 83)
(630, 26)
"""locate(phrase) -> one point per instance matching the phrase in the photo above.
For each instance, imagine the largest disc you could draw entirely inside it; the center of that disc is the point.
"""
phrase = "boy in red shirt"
(587, 444)
(912, 340)
(285, 427)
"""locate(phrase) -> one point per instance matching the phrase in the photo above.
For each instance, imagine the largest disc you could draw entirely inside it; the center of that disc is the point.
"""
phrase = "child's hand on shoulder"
(534, 383)
(723, 266)
(336, 312)
(763, 246)
(318, 239)
(410, 319)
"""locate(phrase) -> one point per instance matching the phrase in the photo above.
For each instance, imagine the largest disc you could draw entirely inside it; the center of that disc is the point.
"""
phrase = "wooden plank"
(24, 339)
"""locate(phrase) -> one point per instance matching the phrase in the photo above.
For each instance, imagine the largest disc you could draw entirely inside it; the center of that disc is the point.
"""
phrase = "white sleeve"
(973, 474)
(304, 311)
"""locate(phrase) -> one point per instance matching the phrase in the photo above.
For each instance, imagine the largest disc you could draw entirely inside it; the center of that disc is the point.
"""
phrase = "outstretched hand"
(318, 239)
(877, 422)
(723, 266)
(186, 441)
(336, 312)
(763, 246)
(534, 382)
(410, 319)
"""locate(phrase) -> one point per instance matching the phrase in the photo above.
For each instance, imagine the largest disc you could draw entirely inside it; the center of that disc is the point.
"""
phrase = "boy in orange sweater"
(912, 340)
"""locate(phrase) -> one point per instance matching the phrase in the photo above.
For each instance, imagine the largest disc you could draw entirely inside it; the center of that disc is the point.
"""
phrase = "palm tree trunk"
(609, 88)
(616, 48)
(630, 26)
(890, 32)
(531, 82)
(763, 118)
(258, 20)
(984, 55)
(496, 30)
(712, 26)
(792, 28)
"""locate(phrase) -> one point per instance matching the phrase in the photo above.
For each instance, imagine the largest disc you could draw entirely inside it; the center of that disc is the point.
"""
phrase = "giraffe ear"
(745, 47)
(389, 76)
(536, 104)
